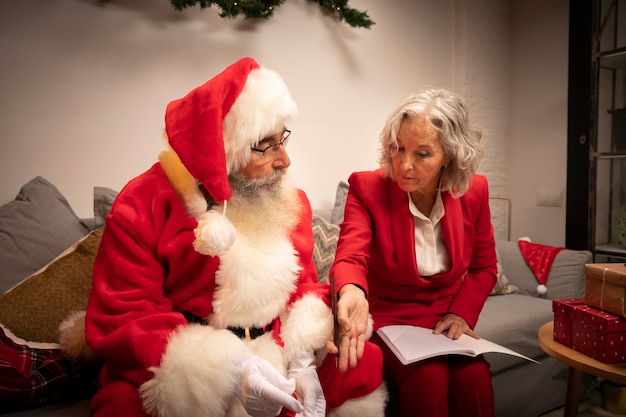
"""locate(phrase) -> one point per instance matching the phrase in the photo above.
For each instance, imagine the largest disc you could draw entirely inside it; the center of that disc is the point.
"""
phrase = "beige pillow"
(34, 309)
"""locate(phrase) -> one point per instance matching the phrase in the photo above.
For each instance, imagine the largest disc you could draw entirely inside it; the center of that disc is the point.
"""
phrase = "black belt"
(195, 319)
(247, 333)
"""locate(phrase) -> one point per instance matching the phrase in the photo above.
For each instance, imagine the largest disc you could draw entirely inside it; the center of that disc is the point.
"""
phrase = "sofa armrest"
(566, 278)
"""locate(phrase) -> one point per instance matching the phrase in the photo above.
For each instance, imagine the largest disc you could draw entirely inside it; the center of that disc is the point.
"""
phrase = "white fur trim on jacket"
(255, 280)
(370, 405)
(72, 338)
(195, 376)
(306, 326)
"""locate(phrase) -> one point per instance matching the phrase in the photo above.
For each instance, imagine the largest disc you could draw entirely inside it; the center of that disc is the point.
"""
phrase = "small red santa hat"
(539, 259)
(212, 130)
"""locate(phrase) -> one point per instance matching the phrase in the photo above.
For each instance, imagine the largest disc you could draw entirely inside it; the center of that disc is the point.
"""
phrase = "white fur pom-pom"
(541, 289)
(215, 234)
(525, 238)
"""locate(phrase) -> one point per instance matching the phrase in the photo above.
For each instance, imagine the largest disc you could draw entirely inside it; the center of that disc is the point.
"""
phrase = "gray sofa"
(522, 388)
(509, 318)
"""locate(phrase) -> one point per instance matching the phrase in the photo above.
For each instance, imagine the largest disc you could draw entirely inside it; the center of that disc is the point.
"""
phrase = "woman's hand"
(454, 326)
(352, 316)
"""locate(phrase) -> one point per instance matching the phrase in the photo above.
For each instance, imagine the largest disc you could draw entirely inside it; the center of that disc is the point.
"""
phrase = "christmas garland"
(264, 9)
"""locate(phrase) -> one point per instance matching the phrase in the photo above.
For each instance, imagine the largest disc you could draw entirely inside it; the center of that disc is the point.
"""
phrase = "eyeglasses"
(272, 150)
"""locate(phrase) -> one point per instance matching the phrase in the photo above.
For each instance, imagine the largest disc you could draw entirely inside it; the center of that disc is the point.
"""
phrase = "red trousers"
(450, 385)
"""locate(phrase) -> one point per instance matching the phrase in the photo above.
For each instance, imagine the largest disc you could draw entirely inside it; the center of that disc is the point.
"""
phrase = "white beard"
(264, 208)
(259, 272)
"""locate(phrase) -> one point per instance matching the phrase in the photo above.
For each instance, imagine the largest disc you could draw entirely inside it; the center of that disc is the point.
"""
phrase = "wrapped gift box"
(605, 287)
(599, 334)
(563, 311)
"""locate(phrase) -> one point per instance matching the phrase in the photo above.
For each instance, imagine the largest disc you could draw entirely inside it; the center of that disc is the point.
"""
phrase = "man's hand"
(352, 315)
(263, 390)
(308, 387)
(453, 327)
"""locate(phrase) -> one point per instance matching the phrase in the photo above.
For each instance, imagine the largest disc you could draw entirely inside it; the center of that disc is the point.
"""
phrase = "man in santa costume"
(205, 300)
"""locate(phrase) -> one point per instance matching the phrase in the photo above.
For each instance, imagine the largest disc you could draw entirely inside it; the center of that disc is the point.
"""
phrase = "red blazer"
(376, 251)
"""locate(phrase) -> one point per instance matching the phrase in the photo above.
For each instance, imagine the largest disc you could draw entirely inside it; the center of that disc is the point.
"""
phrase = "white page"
(411, 343)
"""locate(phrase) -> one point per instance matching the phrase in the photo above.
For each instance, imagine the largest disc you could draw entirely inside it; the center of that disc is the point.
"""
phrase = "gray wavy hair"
(448, 114)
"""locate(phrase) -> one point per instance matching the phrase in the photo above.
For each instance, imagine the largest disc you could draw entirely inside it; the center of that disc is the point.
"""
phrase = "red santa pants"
(340, 387)
(451, 385)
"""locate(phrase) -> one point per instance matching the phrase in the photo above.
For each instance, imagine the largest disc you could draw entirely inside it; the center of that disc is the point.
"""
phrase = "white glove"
(263, 390)
(308, 387)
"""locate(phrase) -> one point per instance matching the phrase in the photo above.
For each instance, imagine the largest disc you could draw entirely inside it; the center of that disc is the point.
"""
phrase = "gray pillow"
(340, 202)
(34, 229)
(102, 200)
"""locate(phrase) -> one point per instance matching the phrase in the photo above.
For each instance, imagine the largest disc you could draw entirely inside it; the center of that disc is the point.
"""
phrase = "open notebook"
(412, 344)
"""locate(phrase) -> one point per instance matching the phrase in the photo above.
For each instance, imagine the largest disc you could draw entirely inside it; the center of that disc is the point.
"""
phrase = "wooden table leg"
(573, 393)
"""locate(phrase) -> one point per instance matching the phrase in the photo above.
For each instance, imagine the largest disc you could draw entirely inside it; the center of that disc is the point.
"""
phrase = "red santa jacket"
(376, 251)
(147, 274)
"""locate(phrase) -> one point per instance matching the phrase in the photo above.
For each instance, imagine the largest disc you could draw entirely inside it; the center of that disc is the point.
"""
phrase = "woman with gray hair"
(417, 247)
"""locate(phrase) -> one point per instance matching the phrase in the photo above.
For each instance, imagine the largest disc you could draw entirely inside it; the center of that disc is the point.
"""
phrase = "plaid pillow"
(33, 376)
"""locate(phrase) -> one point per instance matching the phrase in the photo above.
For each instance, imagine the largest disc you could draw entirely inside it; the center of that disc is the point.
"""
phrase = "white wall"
(538, 123)
(84, 87)
(482, 76)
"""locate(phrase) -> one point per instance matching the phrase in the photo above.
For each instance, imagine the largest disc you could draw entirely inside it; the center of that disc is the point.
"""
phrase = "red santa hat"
(539, 259)
(212, 130)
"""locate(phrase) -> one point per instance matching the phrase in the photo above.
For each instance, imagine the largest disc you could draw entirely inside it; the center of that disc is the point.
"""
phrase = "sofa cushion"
(34, 309)
(340, 202)
(103, 198)
(513, 321)
(34, 229)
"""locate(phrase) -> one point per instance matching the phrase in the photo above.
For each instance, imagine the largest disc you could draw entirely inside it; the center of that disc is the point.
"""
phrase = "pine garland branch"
(353, 17)
(264, 9)
(250, 9)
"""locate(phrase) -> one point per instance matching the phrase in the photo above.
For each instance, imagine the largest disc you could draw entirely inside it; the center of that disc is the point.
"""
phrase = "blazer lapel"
(402, 230)
(452, 227)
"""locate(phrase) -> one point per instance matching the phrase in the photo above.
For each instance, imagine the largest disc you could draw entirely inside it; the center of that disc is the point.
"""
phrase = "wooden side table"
(578, 363)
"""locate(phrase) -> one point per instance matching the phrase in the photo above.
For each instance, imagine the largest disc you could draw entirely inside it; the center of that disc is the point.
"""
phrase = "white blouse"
(431, 254)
